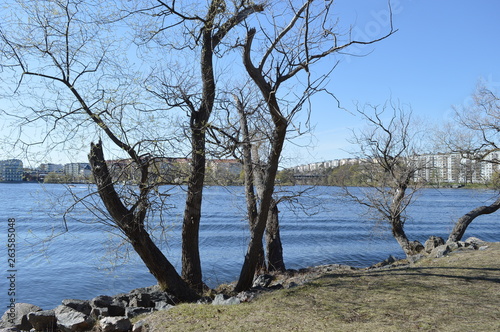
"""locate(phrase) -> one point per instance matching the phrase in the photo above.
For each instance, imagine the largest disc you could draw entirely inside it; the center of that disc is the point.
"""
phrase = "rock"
(140, 300)
(104, 306)
(221, 299)
(483, 247)
(115, 324)
(17, 316)
(263, 280)
(162, 305)
(203, 300)
(10, 329)
(70, 320)
(454, 245)
(140, 326)
(433, 242)
(416, 247)
(79, 305)
(43, 320)
(475, 241)
(440, 251)
(101, 301)
(132, 312)
(99, 312)
(388, 261)
(245, 296)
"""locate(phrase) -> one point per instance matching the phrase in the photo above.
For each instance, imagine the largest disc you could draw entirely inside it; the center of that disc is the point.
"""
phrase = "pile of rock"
(436, 247)
(109, 313)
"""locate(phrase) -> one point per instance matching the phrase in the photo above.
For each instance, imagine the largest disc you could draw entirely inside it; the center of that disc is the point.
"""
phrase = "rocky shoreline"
(116, 313)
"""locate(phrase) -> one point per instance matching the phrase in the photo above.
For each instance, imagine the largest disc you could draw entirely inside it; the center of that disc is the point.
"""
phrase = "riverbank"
(460, 291)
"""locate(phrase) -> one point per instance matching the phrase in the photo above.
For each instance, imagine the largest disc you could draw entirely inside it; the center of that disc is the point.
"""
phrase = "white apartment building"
(11, 170)
(433, 168)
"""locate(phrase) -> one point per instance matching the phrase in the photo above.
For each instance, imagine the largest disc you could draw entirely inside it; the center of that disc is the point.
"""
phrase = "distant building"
(77, 170)
(225, 166)
(11, 170)
(51, 168)
(432, 168)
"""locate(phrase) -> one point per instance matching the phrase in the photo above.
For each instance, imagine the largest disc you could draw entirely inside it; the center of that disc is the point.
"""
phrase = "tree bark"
(277, 140)
(461, 225)
(257, 232)
(191, 265)
(274, 250)
(131, 223)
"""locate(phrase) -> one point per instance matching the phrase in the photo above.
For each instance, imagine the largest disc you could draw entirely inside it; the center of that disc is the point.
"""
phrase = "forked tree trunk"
(461, 225)
(131, 223)
(253, 179)
(211, 37)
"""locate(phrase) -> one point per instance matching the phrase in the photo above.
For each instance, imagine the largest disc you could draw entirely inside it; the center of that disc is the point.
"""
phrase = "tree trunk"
(191, 263)
(257, 232)
(400, 236)
(275, 260)
(159, 266)
(131, 223)
(461, 225)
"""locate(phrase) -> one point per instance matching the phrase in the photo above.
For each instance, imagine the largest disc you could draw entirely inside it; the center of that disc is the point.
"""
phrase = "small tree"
(287, 52)
(388, 147)
(205, 34)
(476, 136)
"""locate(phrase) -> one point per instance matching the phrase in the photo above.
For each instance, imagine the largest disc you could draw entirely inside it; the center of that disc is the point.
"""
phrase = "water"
(88, 260)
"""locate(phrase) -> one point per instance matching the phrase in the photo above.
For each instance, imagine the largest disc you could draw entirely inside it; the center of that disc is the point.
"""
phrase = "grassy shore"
(460, 292)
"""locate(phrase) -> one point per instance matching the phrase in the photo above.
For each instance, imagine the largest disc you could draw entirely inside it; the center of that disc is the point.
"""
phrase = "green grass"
(456, 293)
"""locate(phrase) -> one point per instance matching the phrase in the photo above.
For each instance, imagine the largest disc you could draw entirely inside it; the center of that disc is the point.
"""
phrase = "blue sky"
(435, 59)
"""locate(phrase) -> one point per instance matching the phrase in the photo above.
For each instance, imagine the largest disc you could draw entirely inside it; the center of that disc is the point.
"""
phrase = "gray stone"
(245, 296)
(163, 305)
(140, 300)
(140, 326)
(43, 320)
(483, 247)
(17, 316)
(454, 245)
(433, 242)
(101, 301)
(99, 312)
(79, 305)
(416, 247)
(388, 261)
(263, 280)
(71, 320)
(10, 329)
(104, 306)
(440, 251)
(132, 312)
(221, 299)
(115, 324)
(475, 241)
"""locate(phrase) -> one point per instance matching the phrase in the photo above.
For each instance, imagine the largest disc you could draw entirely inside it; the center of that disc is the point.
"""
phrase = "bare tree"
(475, 135)
(286, 52)
(58, 51)
(388, 148)
(206, 34)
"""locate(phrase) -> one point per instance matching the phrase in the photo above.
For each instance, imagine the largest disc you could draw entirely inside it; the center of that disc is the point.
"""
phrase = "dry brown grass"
(460, 292)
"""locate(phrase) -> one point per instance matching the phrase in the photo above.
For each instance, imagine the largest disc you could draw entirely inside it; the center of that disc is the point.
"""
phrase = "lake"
(89, 259)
